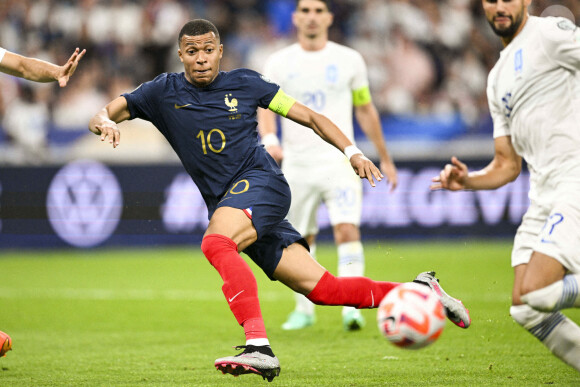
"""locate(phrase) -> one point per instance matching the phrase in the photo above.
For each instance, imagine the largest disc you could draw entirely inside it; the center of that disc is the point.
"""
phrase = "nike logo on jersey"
(234, 297)
(181, 106)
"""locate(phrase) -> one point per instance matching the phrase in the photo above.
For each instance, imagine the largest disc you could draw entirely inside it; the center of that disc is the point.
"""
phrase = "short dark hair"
(327, 2)
(198, 27)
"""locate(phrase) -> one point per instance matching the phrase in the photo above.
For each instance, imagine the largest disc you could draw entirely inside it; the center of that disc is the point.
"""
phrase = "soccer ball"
(411, 316)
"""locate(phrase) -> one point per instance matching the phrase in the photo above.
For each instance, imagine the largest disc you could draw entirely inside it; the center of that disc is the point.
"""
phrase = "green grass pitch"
(157, 317)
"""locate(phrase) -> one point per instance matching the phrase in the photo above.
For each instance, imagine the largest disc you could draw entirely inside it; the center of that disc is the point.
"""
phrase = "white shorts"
(334, 184)
(554, 231)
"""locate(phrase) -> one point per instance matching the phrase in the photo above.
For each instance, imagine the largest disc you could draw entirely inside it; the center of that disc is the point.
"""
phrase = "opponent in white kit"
(330, 79)
(534, 99)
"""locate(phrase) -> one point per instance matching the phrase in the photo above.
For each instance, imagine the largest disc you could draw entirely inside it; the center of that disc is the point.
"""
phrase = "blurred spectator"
(74, 107)
(412, 76)
(25, 122)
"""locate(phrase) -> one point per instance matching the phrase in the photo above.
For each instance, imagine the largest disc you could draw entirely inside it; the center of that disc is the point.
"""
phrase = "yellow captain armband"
(281, 103)
(361, 96)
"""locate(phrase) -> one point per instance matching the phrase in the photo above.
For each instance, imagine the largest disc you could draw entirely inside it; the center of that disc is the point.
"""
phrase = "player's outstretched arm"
(104, 123)
(333, 135)
(504, 168)
(38, 70)
(369, 120)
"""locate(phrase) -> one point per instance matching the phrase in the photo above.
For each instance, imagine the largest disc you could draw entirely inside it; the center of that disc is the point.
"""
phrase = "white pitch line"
(127, 294)
(183, 295)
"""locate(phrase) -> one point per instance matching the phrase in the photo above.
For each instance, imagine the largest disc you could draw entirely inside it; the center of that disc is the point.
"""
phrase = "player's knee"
(526, 316)
(207, 245)
(212, 244)
(544, 299)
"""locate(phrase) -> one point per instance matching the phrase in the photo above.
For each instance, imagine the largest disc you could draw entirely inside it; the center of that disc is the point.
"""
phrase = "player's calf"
(359, 292)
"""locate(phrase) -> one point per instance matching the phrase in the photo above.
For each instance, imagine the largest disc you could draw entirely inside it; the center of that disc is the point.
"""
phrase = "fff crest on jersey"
(232, 104)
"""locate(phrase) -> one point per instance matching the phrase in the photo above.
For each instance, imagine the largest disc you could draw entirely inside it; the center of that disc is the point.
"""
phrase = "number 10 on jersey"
(207, 143)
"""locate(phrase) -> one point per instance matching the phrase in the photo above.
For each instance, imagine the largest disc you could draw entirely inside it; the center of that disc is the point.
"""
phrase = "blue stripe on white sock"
(546, 326)
(569, 293)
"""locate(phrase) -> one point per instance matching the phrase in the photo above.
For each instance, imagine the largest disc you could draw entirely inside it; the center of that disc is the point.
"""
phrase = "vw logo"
(84, 203)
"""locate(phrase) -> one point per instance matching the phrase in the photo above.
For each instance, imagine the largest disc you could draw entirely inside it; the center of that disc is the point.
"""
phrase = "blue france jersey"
(212, 129)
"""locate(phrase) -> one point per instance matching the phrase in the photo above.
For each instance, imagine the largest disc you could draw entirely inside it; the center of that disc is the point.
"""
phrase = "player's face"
(506, 17)
(312, 18)
(201, 57)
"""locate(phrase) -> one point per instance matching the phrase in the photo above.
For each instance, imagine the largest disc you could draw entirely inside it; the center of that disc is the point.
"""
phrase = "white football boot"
(454, 308)
(254, 360)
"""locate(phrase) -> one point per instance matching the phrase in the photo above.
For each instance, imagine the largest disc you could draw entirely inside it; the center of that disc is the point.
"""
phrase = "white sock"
(564, 342)
(303, 304)
(556, 331)
(351, 259)
(351, 263)
(257, 342)
(570, 293)
(557, 296)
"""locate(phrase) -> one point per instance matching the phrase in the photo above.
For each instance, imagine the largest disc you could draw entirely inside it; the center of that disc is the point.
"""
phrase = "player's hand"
(276, 152)
(388, 168)
(365, 168)
(452, 177)
(109, 130)
(68, 69)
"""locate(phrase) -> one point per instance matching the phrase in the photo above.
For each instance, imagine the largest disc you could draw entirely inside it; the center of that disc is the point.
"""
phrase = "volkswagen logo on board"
(84, 203)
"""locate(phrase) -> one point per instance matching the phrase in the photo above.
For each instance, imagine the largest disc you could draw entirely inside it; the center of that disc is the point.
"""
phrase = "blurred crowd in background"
(425, 57)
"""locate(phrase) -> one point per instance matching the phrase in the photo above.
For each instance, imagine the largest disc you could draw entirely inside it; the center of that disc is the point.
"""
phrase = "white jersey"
(2, 52)
(324, 81)
(534, 96)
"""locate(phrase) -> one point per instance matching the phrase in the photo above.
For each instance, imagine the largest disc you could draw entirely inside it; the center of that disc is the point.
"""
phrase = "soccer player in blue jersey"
(209, 118)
